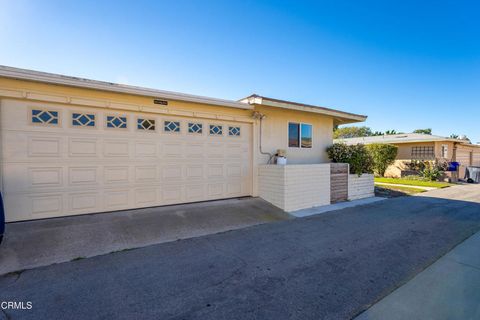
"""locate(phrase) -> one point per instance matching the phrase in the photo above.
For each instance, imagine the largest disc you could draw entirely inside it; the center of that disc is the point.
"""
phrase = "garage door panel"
(51, 171)
(172, 194)
(172, 150)
(118, 199)
(215, 171)
(82, 176)
(116, 174)
(145, 149)
(215, 150)
(146, 196)
(195, 171)
(83, 147)
(194, 192)
(195, 150)
(26, 177)
(116, 148)
(215, 190)
(172, 173)
(84, 202)
(146, 173)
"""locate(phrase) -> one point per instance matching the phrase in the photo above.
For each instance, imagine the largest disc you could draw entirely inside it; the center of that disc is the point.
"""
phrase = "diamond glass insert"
(146, 124)
(116, 122)
(234, 131)
(172, 126)
(216, 130)
(195, 127)
(44, 116)
(83, 119)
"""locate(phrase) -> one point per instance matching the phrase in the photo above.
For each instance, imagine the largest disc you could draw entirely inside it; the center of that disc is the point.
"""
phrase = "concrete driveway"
(329, 266)
(44, 242)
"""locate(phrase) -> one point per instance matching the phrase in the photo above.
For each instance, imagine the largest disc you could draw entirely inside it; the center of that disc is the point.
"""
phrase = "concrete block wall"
(360, 187)
(295, 187)
(271, 184)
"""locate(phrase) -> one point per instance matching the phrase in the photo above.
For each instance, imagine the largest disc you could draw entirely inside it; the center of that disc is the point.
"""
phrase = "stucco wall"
(295, 187)
(360, 186)
(275, 135)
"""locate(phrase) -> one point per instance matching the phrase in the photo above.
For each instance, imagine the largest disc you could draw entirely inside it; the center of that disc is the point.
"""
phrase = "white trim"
(37, 76)
(444, 154)
(344, 117)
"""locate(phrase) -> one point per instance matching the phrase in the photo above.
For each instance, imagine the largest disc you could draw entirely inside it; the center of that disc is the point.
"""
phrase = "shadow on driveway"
(43, 242)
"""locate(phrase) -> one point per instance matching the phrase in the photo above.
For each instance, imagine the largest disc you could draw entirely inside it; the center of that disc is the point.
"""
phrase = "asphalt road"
(330, 266)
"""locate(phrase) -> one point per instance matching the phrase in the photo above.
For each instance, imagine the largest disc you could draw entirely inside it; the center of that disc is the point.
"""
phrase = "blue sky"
(405, 64)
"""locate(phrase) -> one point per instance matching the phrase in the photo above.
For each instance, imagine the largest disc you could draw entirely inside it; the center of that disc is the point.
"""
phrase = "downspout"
(260, 116)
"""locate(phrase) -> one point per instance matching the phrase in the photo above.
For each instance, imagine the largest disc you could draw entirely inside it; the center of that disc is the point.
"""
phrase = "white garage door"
(464, 156)
(60, 161)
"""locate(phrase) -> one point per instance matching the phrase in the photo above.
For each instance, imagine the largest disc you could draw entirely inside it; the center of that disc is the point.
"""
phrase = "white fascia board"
(44, 77)
(333, 113)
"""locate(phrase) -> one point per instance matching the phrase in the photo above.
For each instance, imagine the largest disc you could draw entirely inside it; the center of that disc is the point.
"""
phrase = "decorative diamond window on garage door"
(172, 126)
(194, 127)
(216, 130)
(83, 119)
(234, 131)
(44, 116)
(146, 124)
(117, 122)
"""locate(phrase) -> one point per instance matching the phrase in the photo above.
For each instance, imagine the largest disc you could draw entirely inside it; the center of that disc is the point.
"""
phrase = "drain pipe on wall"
(260, 116)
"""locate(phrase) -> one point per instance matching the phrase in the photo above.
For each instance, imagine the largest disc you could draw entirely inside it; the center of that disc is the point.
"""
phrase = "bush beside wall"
(357, 156)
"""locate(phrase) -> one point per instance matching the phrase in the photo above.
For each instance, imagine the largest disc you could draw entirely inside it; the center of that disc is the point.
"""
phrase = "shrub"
(356, 156)
(428, 170)
(432, 171)
(382, 155)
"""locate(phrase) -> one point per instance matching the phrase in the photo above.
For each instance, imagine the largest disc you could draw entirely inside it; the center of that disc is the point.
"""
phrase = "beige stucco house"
(74, 146)
(415, 146)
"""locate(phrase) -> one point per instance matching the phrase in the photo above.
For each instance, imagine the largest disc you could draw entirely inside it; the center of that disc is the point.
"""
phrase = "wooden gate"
(338, 182)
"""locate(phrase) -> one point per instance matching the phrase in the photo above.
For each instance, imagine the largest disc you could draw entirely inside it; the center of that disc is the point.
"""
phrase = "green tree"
(454, 136)
(424, 131)
(382, 155)
(351, 132)
(390, 132)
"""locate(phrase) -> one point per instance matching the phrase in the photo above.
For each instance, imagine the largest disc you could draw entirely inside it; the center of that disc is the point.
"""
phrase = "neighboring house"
(75, 146)
(416, 146)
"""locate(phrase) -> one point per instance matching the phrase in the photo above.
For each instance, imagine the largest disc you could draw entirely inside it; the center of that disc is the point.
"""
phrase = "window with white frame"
(299, 135)
(444, 151)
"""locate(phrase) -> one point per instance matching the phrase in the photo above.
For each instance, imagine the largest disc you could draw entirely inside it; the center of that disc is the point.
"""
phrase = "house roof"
(340, 117)
(402, 138)
(57, 79)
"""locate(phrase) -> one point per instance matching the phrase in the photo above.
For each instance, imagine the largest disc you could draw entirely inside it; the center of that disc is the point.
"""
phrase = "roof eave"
(339, 117)
(44, 77)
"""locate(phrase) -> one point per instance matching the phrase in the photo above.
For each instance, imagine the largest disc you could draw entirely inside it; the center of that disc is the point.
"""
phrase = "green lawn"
(395, 191)
(412, 182)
